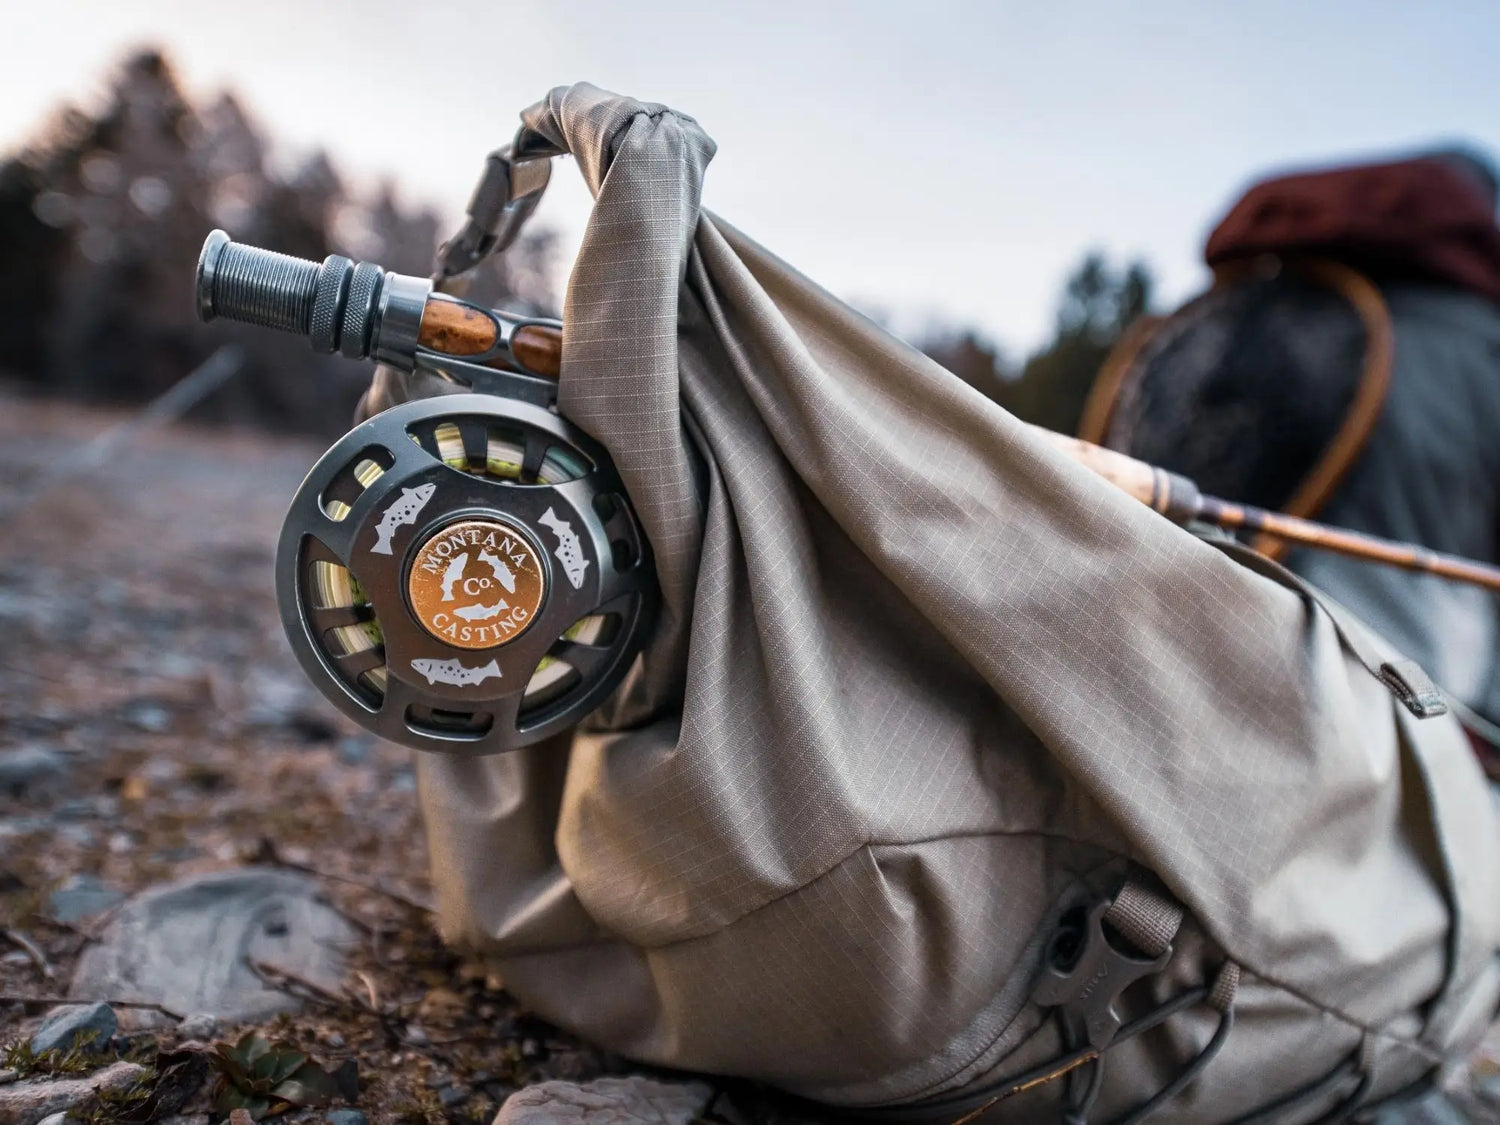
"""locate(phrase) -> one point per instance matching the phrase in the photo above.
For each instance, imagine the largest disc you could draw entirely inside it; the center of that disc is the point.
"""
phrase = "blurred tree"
(1098, 304)
(101, 221)
(32, 250)
(972, 359)
(102, 218)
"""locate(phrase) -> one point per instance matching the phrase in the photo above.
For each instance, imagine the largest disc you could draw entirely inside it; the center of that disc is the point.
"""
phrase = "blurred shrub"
(1098, 304)
(101, 220)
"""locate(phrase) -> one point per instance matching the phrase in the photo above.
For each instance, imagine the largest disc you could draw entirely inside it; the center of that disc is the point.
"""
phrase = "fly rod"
(1178, 498)
(1171, 494)
(398, 317)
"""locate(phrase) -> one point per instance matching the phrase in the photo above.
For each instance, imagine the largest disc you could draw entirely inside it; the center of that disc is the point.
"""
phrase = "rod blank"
(1179, 500)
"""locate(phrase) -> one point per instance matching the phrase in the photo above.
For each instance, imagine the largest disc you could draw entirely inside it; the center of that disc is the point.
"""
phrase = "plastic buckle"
(1084, 986)
(504, 198)
(476, 240)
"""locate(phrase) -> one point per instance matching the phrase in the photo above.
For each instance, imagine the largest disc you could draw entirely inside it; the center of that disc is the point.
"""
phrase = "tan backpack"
(953, 782)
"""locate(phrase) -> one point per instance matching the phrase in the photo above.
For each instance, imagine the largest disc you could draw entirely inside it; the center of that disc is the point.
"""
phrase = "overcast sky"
(924, 156)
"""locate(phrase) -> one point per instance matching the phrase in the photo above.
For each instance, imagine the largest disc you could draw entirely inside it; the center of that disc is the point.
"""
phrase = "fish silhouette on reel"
(462, 573)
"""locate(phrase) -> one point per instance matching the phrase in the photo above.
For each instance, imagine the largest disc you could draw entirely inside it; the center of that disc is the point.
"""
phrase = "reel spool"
(463, 574)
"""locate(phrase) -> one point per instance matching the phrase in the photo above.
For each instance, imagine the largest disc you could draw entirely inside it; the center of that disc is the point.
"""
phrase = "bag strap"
(1369, 395)
(1115, 371)
(1147, 920)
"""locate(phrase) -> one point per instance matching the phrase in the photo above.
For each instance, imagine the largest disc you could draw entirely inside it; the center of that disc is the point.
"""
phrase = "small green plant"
(80, 1058)
(422, 1107)
(266, 1078)
(127, 1106)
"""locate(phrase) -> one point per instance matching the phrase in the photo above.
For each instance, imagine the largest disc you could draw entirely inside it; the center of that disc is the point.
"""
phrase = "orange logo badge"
(476, 584)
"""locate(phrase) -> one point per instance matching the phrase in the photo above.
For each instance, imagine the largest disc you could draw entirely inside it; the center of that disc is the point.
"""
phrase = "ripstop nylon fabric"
(920, 683)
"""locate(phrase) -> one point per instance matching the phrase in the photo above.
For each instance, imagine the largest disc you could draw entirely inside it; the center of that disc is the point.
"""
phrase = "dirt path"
(139, 643)
(138, 635)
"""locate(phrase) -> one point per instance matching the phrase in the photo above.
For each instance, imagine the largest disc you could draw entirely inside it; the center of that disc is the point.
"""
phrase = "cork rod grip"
(459, 329)
(1178, 499)
(1173, 496)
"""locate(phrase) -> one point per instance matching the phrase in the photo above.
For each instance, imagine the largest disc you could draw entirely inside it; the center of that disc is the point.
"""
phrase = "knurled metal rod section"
(364, 311)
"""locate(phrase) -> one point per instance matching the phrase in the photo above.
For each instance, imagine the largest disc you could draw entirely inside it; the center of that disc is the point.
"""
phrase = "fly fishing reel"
(461, 573)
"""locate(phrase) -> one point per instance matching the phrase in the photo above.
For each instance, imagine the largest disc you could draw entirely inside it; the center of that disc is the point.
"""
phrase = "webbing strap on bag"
(1147, 920)
(1085, 976)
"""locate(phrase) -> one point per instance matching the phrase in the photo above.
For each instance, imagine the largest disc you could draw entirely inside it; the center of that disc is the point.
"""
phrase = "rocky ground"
(155, 730)
(181, 815)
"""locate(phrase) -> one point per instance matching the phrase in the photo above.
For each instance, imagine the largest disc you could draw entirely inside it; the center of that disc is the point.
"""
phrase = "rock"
(30, 1103)
(199, 1025)
(1432, 1108)
(635, 1100)
(185, 945)
(79, 808)
(29, 770)
(1488, 1090)
(55, 1119)
(275, 698)
(75, 1025)
(81, 896)
(354, 749)
(147, 715)
(11, 826)
(346, 1117)
(79, 835)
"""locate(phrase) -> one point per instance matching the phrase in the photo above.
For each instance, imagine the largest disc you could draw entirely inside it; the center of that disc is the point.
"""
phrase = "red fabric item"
(1418, 218)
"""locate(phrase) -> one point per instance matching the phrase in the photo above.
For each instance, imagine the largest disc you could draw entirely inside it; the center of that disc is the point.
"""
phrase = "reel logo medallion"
(476, 584)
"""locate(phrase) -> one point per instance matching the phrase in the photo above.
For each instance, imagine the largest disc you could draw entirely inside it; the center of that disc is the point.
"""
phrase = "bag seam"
(865, 845)
(1244, 963)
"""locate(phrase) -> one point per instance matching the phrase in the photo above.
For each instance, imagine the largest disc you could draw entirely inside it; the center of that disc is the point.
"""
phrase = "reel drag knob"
(464, 574)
